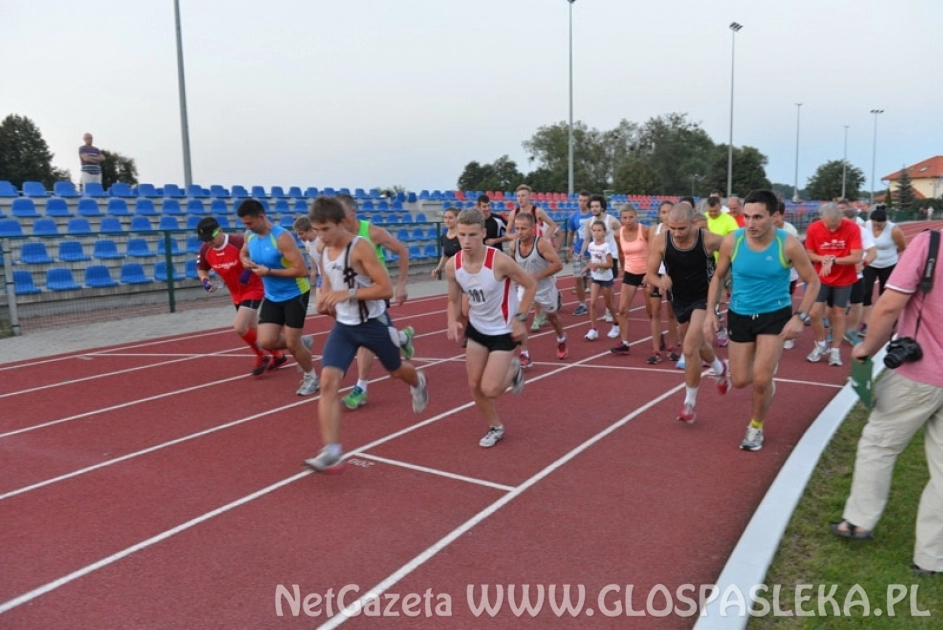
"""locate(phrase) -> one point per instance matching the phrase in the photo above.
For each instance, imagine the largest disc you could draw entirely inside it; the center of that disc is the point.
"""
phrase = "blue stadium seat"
(145, 208)
(57, 207)
(64, 189)
(98, 277)
(414, 252)
(430, 251)
(278, 193)
(390, 256)
(329, 192)
(174, 191)
(193, 221)
(120, 189)
(23, 283)
(197, 192)
(168, 223)
(174, 247)
(301, 207)
(424, 195)
(60, 279)
(133, 273)
(147, 190)
(403, 235)
(392, 218)
(368, 205)
(24, 209)
(160, 272)
(34, 189)
(397, 206)
(35, 254)
(111, 225)
(219, 206)
(411, 198)
(311, 192)
(432, 233)
(10, 227)
(89, 208)
(239, 192)
(218, 191)
(374, 193)
(7, 189)
(172, 208)
(383, 205)
(287, 221)
(118, 208)
(295, 193)
(418, 234)
(282, 207)
(72, 251)
(223, 221)
(193, 244)
(360, 193)
(141, 224)
(106, 249)
(45, 227)
(93, 190)
(420, 218)
(189, 269)
(139, 248)
(259, 192)
(195, 206)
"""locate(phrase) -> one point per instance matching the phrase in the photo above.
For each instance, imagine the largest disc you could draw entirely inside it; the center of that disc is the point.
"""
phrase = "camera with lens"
(902, 350)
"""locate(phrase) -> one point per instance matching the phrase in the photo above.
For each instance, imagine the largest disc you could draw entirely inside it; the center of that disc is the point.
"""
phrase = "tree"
(118, 168)
(675, 149)
(825, 184)
(502, 174)
(635, 177)
(749, 170)
(24, 155)
(549, 149)
(904, 196)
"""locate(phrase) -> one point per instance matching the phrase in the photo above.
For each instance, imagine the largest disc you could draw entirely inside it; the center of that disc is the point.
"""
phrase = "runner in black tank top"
(690, 270)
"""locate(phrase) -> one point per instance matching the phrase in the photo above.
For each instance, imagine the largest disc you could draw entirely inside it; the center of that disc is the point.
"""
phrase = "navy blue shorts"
(375, 335)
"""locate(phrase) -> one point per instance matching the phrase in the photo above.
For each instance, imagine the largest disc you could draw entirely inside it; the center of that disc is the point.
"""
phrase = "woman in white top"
(890, 242)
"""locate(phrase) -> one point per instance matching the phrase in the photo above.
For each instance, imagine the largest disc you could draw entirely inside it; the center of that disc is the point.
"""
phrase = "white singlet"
(492, 304)
(350, 312)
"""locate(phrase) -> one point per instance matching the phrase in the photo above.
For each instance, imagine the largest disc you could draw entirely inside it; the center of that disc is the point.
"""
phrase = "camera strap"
(926, 283)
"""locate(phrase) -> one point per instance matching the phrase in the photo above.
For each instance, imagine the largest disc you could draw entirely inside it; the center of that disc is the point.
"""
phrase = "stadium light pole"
(184, 125)
(874, 150)
(795, 181)
(570, 139)
(844, 164)
(734, 29)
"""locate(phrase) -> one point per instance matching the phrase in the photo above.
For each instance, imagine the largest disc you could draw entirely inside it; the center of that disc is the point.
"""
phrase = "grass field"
(810, 554)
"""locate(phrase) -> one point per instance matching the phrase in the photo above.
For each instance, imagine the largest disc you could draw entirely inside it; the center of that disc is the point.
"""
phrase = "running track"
(154, 484)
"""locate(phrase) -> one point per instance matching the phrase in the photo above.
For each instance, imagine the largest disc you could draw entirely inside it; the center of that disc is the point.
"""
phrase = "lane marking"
(435, 471)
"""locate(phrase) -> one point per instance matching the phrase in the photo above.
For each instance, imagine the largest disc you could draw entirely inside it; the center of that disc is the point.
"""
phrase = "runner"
(634, 239)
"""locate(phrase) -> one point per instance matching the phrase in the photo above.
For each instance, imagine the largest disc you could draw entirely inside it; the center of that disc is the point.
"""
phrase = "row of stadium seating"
(98, 277)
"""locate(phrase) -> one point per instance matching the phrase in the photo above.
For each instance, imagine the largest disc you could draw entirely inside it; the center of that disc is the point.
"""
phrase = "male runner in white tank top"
(495, 320)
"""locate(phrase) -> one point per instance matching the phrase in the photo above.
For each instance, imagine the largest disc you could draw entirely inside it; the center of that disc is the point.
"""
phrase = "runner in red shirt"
(220, 252)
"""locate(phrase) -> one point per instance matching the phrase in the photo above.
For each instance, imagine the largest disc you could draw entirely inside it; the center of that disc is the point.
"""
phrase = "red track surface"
(156, 485)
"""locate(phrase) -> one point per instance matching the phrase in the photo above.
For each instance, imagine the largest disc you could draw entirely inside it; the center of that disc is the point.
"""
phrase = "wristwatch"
(802, 316)
(521, 317)
(351, 293)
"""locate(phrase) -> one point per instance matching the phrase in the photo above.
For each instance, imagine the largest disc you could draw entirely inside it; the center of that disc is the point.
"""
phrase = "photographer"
(907, 398)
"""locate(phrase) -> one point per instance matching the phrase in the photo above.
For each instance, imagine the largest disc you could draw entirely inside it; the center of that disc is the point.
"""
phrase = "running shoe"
(262, 363)
(526, 361)
(723, 379)
(817, 353)
(592, 335)
(355, 399)
(674, 354)
(613, 332)
(852, 337)
(420, 394)
(492, 437)
(654, 359)
(687, 413)
(278, 360)
(325, 462)
(608, 317)
(309, 385)
(622, 349)
(834, 357)
(407, 347)
(753, 440)
(789, 344)
(680, 364)
(581, 310)
(517, 383)
(562, 351)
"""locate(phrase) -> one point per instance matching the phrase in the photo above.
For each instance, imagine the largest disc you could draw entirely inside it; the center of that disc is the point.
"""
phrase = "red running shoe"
(622, 350)
(687, 414)
(278, 360)
(723, 379)
(526, 360)
(562, 352)
(261, 364)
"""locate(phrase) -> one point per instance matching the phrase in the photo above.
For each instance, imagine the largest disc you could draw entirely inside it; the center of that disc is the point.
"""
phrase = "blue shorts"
(374, 335)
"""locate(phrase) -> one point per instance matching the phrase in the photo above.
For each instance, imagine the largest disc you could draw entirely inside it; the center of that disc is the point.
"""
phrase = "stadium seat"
(259, 192)
(60, 279)
(111, 225)
(192, 221)
(193, 244)
(106, 249)
(160, 272)
(195, 206)
(24, 209)
(147, 190)
(10, 227)
(219, 206)
(287, 221)
(220, 192)
(139, 248)
(301, 207)
(282, 207)
(121, 189)
(168, 223)
(145, 208)
(141, 224)
(64, 189)
(89, 208)
(420, 218)
(172, 208)
(133, 273)
(432, 233)
(174, 191)
(239, 192)
(57, 207)
(403, 235)
(223, 221)
(34, 189)
(23, 283)
(329, 192)
(383, 205)
(7, 189)
(174, 247)
(295, 193)
(195, 191)
(411, 198)
(430, 251)
(35, 254)
(392, 218)
(45, 227)
(311, 192)
(368, 206)
(98, 277)
(117, 208)
(189, 269)
(375, 218)
(278, 192)
(390, 256)
(414, 252)
(93, 190)
(72, 251)
(418, 234)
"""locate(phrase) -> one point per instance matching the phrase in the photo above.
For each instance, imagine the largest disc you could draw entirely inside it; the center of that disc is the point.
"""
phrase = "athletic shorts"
(290, 313)
(606, 284)
(578, 265)
(857, 292)
(834, 296)
(547, 299)
(656, 292)
(633, 279)
(374, 334)
(683, 312)
(494, 343)
(745, 328)
(249, 304)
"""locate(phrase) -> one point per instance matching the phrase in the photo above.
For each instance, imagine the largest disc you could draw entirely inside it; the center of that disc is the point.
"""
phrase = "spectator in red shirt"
(834, 245)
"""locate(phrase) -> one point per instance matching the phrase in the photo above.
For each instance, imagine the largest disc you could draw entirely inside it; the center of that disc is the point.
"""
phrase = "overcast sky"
(366, 93)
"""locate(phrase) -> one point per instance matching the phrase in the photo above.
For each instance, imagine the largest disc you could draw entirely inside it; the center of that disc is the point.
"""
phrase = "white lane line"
(468, 525)
(434, 471)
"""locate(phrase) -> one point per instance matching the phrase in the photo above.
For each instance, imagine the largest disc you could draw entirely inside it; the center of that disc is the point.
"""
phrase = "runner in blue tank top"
(761, 317)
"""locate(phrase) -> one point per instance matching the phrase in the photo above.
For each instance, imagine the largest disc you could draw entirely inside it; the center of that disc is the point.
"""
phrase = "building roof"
(931, 168)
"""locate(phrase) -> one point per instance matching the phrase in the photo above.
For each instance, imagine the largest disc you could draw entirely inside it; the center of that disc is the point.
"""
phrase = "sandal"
(919, 572)
(851, 531)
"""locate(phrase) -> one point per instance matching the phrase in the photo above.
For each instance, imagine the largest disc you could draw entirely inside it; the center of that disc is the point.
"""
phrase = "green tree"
(502, 174)
(904, 197)
(749, 170)
(826, 183)
(635, 177)
(675, 149)
(24, 155)
(548, 149)
(118, 168)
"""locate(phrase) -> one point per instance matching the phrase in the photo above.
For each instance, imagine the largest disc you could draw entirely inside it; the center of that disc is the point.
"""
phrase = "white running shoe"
(420, 394)
(834, 357)
(817, 353)
(492, 437)
(613, 332)
(309, 385)
(592, 335)
(789, 344)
